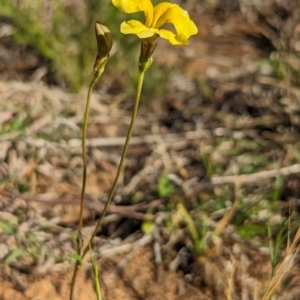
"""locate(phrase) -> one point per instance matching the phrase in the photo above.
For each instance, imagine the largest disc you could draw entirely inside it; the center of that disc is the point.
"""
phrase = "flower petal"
(138, 28)
(171, 37)
(133, 6)
(159, 11)
(174, 14)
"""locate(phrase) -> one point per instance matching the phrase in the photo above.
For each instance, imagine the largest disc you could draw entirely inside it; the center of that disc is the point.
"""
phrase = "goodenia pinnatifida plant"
(148, 32)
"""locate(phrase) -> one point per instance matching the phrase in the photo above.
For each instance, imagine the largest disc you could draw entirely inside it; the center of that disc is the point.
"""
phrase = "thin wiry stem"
(84, 159)
(72, 288)
(120, 167)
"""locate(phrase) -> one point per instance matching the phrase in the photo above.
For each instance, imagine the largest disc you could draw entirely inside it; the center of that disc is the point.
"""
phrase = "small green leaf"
(14, 255)
(189, 221)
(165, 188)
(77, 257)
(147, 226)
(251, 231)
(8, 228)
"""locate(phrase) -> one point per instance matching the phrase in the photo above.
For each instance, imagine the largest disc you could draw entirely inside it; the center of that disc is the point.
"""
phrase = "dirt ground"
(221, 94)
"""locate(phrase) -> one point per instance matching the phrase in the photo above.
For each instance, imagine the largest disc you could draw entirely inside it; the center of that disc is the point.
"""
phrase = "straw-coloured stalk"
(104, 43)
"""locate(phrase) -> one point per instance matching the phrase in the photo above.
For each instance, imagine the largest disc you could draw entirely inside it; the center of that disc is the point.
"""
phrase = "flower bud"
(147, 48)
(104, 42)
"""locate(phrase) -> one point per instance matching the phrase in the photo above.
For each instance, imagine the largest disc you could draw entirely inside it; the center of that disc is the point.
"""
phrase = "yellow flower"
(155, 18)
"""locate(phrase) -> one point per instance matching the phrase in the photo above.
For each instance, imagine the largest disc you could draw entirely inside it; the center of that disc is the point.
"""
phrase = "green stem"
(96, 274)
(84, 159)
(72, 288)
(120, 167)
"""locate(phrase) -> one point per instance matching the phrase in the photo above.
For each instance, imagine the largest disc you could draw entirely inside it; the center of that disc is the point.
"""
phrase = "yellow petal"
(174, 14)
(138, 28)
(171, 37)
(133, 6)
(159, 12)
